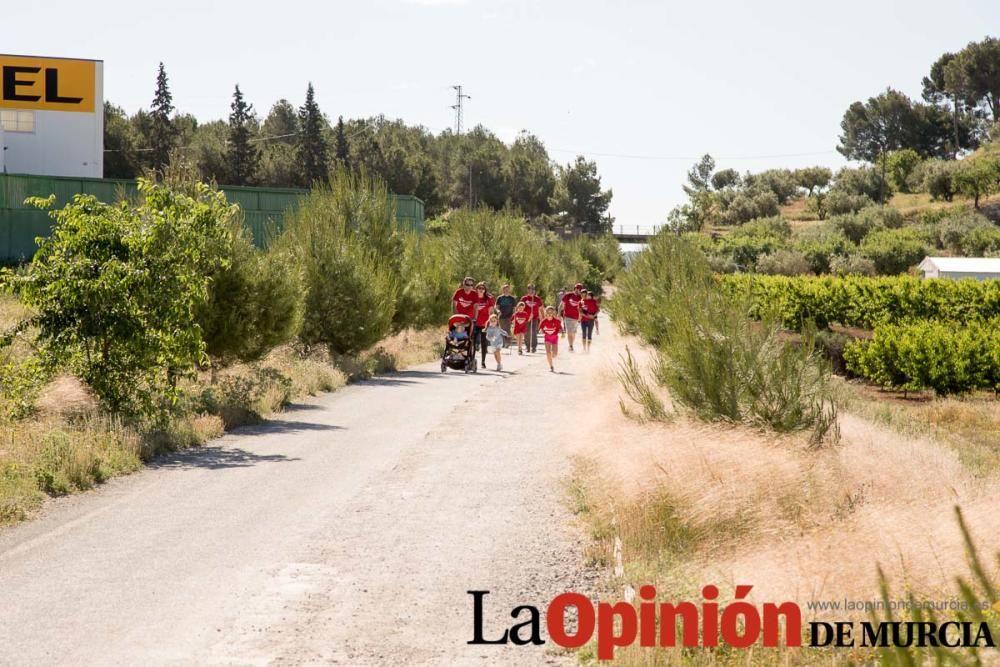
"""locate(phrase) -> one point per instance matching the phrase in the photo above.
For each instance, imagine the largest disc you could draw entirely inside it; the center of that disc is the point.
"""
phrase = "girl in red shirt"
(520, 320)
(550, 328)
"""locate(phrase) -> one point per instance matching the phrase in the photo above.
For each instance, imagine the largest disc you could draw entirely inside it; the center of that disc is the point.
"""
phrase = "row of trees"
(961, 106)
(133, 296)
(297, 147)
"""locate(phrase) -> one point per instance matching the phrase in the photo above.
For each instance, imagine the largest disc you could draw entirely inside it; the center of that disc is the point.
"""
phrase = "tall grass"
(713, 359)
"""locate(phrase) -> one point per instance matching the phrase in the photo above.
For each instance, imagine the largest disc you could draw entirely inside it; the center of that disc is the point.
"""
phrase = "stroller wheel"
(444, 367)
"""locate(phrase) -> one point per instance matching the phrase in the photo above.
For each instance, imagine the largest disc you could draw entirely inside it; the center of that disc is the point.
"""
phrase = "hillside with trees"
(298, 146)
(927, 172)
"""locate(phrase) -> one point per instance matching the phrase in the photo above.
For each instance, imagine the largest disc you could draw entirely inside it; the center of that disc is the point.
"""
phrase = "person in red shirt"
(570, 310)
(550, 328)
(463, 302)
(533, 303)
(520, 320)
(481, 317)
(588, 318)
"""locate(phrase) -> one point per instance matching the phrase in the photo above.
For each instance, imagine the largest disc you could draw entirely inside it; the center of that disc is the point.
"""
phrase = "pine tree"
(312, 144)
(241, 155)
(342, 151)
(162, 133)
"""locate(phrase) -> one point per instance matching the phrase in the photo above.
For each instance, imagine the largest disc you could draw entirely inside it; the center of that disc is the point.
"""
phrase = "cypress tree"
(313, 150)
(342, 151)
(241, 155)
(162, 133)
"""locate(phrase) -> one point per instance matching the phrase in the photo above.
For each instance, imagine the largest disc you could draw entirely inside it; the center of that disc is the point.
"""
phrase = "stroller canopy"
(459, 319)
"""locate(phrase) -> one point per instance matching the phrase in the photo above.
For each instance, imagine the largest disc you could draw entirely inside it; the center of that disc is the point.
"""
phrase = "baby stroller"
(459, 354)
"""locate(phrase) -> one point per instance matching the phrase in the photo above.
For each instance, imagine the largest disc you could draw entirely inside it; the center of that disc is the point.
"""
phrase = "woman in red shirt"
(550, 328)
(588, 318)
(483, 308)
(520, 320)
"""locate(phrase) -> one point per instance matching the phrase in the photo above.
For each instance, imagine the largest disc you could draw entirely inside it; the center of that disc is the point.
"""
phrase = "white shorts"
(570, 325)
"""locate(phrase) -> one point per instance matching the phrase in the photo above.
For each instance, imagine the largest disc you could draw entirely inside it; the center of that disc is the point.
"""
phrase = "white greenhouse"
(956, 268)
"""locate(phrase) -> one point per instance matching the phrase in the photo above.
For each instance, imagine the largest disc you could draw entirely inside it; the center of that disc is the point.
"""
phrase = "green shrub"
(254, 300)
(895, 250)
(968, 233)
(784, 263)
(929, 354)
(821, 245)
(711, 357)
(863, 181)
(937, 179)
(838, 202)
(852, 265)
(900, 168)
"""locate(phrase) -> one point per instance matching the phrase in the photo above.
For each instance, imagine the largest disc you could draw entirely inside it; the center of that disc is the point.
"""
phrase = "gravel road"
(345, 531)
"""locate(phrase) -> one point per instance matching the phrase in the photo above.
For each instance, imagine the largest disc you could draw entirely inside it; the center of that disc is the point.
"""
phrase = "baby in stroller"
(458, 345)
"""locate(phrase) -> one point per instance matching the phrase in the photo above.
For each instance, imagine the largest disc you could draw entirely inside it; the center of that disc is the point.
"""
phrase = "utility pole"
(457, 106)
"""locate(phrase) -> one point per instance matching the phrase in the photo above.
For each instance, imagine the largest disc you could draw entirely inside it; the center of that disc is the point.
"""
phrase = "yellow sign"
(47, 84)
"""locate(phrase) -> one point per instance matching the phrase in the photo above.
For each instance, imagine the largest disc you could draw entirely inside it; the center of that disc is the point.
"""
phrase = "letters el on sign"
(47, 84)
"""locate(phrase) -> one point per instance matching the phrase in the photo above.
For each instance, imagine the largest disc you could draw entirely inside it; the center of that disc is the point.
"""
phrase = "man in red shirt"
(569, 308)
(483, 307)
(588, 318)
(463, 302)
(534, 304)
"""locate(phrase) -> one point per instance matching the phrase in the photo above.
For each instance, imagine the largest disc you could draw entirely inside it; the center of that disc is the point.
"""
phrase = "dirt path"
(345, 532)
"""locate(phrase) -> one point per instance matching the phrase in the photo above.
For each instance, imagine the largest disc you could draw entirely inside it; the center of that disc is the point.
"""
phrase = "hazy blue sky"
(743, 80)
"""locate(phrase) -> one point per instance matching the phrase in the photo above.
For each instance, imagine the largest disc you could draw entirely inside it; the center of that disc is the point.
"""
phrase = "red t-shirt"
(465, 301)
(521, 319)
(534, 304)
(590, 309)
(571, 305)
(550, 326)
(486, 304)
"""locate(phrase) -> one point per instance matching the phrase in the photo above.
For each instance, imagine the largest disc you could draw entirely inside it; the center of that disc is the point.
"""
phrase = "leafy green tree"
(163, 133)
(207, 147)
(243, 156)
(312, 148)
(977, 177)
(901, 165)
(121, 143)
(725, 178)
(895, 250)
(530, 180)
(279, 164)
(115, 286)
(779, 181)
(582, 199)
(282, 124)
(938, 179)
(812, 179)
(873, 129)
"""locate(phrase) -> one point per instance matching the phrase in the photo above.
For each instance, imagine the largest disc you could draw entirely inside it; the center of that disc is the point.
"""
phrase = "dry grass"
(696, 504)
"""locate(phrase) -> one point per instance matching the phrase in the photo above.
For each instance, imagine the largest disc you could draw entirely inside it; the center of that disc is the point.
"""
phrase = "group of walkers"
(500, 321)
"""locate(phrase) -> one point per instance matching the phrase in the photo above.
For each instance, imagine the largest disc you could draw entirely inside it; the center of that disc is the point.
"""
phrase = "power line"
(631, 156)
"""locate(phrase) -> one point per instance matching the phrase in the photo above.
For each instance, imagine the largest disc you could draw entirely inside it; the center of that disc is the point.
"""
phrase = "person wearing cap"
(505, 306)
(533, 303)
(570, 310)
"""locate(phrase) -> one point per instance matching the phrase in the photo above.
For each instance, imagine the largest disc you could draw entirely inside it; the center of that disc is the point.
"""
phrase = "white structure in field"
(52, 116)
(956, 268)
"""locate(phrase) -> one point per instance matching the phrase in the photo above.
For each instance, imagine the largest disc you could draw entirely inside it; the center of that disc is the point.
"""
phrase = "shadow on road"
(407, 377)
(276, 426)
(217, 458)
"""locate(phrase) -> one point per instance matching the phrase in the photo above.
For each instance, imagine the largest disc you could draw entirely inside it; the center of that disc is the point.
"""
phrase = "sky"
(643, 88)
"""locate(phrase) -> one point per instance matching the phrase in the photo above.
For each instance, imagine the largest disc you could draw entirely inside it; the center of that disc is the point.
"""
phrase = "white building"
(52, 116)
(956, 268)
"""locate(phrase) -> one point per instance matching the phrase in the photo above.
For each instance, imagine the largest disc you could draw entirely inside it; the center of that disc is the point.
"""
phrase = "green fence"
(263, 208)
